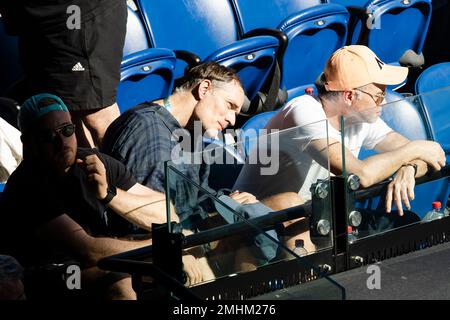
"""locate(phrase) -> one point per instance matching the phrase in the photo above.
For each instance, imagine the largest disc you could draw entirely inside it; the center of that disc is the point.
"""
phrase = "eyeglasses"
(49, 136)
(378, 98)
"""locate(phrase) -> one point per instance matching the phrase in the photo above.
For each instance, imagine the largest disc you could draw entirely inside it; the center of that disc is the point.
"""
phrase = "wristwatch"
(412, 165)
(111, 193)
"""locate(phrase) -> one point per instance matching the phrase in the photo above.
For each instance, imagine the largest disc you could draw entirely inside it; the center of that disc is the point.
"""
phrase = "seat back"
(145, 76)
(314, 33)
(252, 58)
(323, 28)
(209, 30)
(358, 3)
(249, 132)
(402, 116)
(397, 26)
(435, 104)
(200, 26)
(136, 36)
(407, 118)
(254, 14)
(434, 77)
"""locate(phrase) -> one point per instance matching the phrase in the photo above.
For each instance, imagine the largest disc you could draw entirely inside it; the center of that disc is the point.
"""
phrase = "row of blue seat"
(218, 30)
(234, 33)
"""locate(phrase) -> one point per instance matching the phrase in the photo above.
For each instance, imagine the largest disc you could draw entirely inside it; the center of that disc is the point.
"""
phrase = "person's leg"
(101, 284)
(245, 260)
(294, 229)
(82, 67)
(105, 36)
(122, 290)
(96, 122)
(84, 137)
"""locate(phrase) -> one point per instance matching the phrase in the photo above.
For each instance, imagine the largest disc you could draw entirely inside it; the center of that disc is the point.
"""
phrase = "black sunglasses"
(49, 136)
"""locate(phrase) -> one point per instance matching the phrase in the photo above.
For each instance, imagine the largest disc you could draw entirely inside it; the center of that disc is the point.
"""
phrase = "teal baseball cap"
(36, 107)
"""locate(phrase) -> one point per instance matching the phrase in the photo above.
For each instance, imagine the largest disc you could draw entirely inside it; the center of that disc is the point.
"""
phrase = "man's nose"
(231, 118)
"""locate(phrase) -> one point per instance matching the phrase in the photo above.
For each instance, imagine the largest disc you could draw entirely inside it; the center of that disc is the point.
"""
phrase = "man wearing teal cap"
(77, 198)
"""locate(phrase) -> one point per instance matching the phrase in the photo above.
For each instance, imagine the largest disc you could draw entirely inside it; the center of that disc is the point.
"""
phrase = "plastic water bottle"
(434, 214)
(350, 235)
(300, 248)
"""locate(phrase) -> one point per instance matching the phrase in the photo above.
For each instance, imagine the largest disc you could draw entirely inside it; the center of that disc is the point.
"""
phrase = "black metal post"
(167, 253)
(339, 212)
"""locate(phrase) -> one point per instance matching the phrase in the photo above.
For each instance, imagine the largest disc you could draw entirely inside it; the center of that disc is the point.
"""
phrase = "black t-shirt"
(48, 15)
(31, 198)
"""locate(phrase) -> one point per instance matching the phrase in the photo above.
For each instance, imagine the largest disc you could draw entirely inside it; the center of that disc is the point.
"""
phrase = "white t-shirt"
(301, 121)
(10, 149)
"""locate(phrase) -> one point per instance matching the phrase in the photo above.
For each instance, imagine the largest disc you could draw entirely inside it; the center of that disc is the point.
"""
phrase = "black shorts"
(81, 66)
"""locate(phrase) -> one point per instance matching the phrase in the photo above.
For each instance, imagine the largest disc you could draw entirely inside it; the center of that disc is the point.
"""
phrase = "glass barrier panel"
(388, 147)
(234, 195)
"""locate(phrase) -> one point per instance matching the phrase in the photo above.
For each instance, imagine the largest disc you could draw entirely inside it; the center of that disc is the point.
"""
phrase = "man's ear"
(202, 89)
(348, 96)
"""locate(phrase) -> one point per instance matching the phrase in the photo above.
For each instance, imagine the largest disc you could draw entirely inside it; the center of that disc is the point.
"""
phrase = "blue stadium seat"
(145, 76)
(435, 77)
(254, 14)
(357, 3)
(397, 28)
(436, 105)
(250, 131)
(404, 117)
(314, 31)
(136, 37)
(208, 29)
(408, 119)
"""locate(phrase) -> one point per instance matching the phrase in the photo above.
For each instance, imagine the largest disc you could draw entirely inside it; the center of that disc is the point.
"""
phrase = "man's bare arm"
(139, 205)
(67, 232)
(378, 167)
(395, 140)
(142, 206)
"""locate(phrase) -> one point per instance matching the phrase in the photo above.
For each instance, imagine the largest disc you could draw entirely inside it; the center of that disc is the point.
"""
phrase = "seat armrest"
(279, 35)
(190, 58)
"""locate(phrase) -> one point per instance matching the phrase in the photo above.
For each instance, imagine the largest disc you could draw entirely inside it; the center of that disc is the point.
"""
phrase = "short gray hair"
(212, 71)
(332, 95)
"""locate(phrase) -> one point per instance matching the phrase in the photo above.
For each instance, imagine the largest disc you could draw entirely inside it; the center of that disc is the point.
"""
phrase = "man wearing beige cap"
(352, 85)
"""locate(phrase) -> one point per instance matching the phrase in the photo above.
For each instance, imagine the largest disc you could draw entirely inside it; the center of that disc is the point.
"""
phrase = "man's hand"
(431, 152)
(193, 270)
(96, 174)
(243, 197)
(401, 189)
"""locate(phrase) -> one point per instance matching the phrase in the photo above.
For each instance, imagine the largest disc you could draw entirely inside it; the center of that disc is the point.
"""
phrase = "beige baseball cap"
(354, 66)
